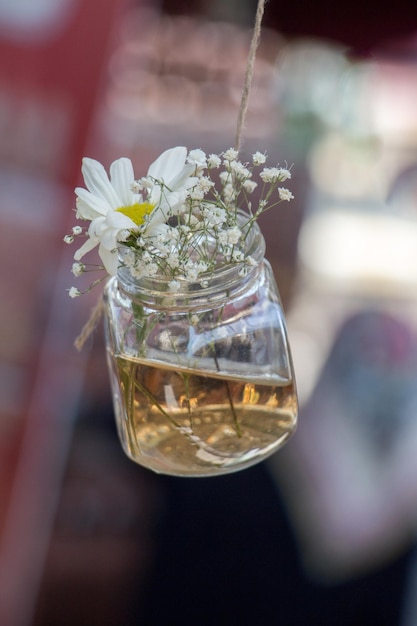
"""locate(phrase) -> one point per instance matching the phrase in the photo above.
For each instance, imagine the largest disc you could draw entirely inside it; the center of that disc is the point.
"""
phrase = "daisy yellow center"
(137, 212)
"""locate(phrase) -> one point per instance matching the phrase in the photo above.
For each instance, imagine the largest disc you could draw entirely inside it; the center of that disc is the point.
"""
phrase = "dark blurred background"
(323, 533)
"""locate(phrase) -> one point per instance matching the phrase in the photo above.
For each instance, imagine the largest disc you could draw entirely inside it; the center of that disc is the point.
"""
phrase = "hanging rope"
(91, 324)
(97, 312)
(249, 74)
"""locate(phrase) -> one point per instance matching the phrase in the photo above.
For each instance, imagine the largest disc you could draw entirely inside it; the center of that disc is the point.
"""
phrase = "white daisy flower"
(170, 169)
(115, 208)
(112, 207)
(177, 221)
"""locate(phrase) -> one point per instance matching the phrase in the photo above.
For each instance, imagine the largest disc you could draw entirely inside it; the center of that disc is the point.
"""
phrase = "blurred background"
(324, 532)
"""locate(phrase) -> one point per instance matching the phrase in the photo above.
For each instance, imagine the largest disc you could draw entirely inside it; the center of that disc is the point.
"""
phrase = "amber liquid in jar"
(187, 423)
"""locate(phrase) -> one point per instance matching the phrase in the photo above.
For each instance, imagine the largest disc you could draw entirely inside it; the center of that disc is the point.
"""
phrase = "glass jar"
(202, 378)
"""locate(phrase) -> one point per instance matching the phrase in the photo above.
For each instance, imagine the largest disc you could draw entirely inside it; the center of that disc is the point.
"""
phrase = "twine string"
(244, 102)
(98, 310)
(91, 324)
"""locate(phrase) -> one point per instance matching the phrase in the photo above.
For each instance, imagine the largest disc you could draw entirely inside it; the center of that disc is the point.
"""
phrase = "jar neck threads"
(224, 280)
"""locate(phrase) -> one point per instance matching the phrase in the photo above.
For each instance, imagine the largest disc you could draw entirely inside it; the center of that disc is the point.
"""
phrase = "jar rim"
(223, 276)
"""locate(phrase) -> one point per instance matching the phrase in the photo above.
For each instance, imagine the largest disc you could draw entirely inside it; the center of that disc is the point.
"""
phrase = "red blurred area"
(51, 70)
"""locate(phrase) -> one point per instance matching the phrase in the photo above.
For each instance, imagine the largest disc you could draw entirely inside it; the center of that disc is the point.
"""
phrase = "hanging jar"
(199, 360)
(202, 379)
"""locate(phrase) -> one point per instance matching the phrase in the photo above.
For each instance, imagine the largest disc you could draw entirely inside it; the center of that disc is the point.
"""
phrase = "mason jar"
(202, 378)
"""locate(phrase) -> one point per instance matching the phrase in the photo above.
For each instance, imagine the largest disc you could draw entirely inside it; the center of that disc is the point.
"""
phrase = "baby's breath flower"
(151, 269)
(284, 174)
(191, 272)
(234, 234)
(197, 193)
(285, 194)
(205, 183)
(197, 157)
(230, 155)
(239, 170)
(229, 193)
(78, 268)
(173, 260)
(270, 174)
(143, 183)
(258, 158)
(230, 236)
(238, 256)
(74, 292)
(214, 161)
(136, 186)
(201, 267)
(249, 186)
(214, 215)
(176, 222)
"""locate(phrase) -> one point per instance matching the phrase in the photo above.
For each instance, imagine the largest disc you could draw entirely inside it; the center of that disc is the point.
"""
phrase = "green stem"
(167, 415)
(230, 398)
(186, 381)
(160, 408)
(130, 406)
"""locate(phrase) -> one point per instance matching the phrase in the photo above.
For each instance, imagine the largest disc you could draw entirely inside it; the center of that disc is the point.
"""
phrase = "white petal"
(98, 183)
(172, 200)
(158, 216)
(90, 206)
(183, 179)
(168, 164)
(158, 229)
(115, 219)
(122, 178)
(91, 243)
(109, 239)
(97, 227)
(155, 195)
(110, 260)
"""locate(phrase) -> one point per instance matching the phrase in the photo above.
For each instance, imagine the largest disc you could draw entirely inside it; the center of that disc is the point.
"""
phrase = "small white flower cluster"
(176, 222)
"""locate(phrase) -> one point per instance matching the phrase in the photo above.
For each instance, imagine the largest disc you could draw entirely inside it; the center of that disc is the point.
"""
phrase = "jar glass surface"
(202, 378)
